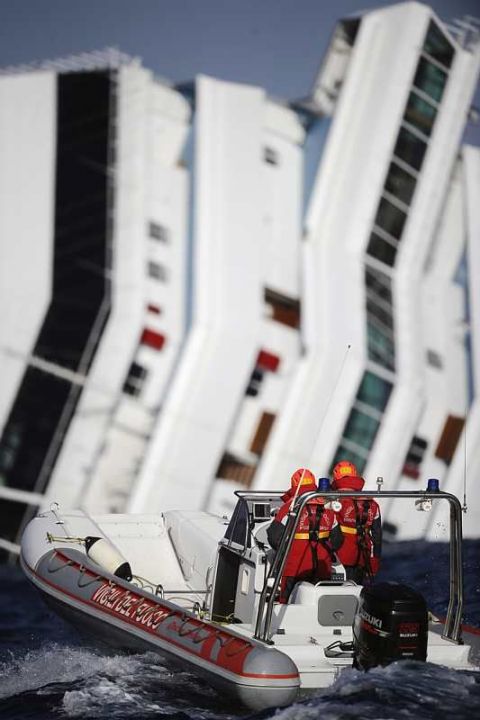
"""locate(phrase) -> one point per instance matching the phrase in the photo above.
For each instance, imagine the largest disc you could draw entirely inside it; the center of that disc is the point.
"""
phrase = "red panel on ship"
(268, 361)
(153, 339)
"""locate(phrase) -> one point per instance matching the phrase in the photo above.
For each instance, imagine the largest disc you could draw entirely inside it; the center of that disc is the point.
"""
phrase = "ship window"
(232, 469)
(157, 271)
(380, 313)
(379, 318)
(381, 348)
(284, 309)
(400, 183)
(157, 232)
(430, 79)
(374, 391)
(14, 516)
(379, 295)
(270, 156)
(413, 461)
(390, 218)
(362, 426)
(434, 359)
(437, 46)
(135, 379)
(253, 387)
(381, 249)
(262, 433)
(349, 29)
(420, 114)
(449, 439)
(361, 429)
(410, 148)
(11, 442)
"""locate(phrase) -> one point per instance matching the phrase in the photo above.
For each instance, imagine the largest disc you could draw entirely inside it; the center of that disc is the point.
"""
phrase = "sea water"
(48, 671)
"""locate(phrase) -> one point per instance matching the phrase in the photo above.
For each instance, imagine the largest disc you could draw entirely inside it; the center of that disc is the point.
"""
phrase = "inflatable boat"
(202, 591)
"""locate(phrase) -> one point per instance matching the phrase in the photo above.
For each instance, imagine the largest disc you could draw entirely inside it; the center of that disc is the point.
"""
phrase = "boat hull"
(125, 617)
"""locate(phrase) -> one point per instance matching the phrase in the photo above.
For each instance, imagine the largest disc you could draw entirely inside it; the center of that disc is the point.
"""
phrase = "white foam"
(59, 664)
(138, 688)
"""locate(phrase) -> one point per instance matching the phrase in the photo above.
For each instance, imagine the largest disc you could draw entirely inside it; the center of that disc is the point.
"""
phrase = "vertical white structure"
(385, 172)
(224, 287)
(445, 444)
(27, 142)
(225, 323)
(110, 431)
(106, 289)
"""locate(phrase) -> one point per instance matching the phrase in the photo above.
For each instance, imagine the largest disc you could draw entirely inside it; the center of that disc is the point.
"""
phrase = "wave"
(405, 690)
(86, 683)
(83, 683)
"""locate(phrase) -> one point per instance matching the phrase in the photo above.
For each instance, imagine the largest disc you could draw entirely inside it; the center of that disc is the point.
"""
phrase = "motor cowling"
(391, 623)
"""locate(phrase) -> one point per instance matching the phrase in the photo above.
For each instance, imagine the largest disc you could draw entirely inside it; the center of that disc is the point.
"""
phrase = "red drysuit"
(316, 535)
(361, 527)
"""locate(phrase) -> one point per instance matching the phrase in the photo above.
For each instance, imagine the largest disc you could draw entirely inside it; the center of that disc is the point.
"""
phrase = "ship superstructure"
(204, 288)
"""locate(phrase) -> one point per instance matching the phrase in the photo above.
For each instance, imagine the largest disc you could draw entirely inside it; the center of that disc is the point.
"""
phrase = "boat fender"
(107, 556)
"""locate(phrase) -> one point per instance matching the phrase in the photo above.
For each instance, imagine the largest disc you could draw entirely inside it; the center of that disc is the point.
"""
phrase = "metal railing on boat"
(453, 620)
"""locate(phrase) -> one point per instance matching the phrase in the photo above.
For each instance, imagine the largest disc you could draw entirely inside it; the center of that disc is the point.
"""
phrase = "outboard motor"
(391, 623)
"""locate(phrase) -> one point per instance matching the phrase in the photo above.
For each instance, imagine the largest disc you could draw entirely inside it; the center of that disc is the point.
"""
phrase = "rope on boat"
(223, 619)
(246, 646)
(183, 633)
(330, 398)
(51, 569)
(82, 571)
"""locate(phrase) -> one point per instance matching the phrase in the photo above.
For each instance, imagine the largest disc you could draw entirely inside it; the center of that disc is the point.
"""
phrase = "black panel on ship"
(80, 303)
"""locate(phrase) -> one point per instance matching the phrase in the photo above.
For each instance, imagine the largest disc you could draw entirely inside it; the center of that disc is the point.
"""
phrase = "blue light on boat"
(324, 483)
(433, 485)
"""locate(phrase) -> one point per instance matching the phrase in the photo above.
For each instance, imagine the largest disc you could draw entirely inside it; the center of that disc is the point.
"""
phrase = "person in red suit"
(317, 535)
(360, 524)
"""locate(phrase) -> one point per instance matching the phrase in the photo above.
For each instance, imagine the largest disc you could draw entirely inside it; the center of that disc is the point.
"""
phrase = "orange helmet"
(345, 477)
(342, 468)
(302, 476)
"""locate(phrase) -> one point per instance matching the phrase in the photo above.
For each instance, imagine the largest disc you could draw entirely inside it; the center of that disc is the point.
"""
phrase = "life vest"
(309, 552)
(361, 547)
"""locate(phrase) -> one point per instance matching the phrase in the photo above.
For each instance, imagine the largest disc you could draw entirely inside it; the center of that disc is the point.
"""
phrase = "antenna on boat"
(332, 393)
(464, 506)
(337, 380)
